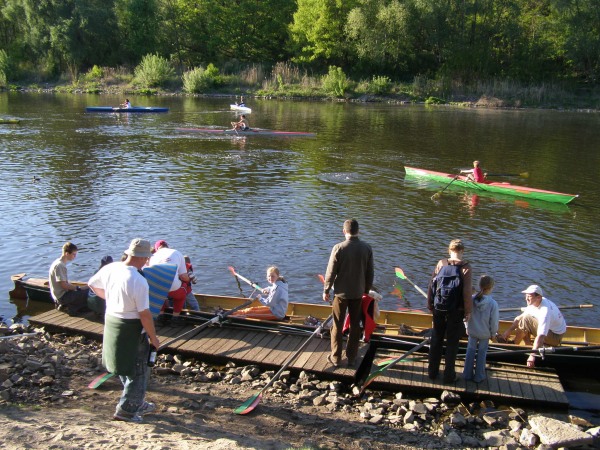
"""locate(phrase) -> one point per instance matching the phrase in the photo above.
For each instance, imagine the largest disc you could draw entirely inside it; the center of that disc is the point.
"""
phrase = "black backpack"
(447, 288)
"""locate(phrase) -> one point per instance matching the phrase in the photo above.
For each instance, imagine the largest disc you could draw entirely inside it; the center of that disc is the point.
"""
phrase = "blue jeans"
(476, 355)
(191, 302)
(134, 389)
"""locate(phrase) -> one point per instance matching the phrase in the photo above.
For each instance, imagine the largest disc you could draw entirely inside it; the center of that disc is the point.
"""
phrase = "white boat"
(243, 109)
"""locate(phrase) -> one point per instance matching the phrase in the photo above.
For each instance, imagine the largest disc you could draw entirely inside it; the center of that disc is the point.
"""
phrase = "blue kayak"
(133, 109)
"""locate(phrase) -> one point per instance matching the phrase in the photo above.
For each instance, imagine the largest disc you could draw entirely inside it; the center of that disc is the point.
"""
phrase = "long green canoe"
(498, 188)
(9, 121)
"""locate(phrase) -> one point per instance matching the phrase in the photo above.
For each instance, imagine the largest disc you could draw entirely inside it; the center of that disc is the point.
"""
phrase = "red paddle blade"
(99, 380)
(321, 278)
(249, 404)
(400, 273)
(232, 270)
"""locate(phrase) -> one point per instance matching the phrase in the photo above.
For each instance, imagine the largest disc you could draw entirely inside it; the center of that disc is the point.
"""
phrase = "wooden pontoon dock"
(269, 348)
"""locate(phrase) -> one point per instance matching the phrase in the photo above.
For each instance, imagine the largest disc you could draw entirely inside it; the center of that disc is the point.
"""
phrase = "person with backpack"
(481, 327)
(449, 300)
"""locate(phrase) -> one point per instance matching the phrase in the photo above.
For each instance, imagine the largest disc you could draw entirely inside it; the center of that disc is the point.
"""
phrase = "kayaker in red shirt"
(475, 174)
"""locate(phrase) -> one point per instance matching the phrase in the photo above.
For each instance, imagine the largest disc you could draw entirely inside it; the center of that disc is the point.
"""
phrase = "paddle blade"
(321, 278)
(99, 380)
(249, 404)
(524, 175)
(400, 273)
(232, 270)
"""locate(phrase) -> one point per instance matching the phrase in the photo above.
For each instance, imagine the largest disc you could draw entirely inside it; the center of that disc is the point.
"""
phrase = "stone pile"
(38, 369)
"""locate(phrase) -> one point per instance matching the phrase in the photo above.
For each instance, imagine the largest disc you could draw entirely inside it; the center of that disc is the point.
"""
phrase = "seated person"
(126, 104)
(541, 319)
(241, 125)
(475, 174)
(276, 302)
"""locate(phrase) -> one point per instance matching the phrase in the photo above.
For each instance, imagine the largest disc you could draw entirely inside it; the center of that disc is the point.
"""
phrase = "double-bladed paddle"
(96, 382)
(253, 401)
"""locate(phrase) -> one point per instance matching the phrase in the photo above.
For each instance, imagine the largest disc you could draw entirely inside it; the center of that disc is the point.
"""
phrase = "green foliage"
(200, 80)
(335, 82)
(3, 68)
(94, 74)
(380, 85)
(434, 101)
(153, 71)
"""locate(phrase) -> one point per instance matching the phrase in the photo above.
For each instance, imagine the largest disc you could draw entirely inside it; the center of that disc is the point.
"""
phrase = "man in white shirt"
(165, 255)
(541, 318)
(128, 325)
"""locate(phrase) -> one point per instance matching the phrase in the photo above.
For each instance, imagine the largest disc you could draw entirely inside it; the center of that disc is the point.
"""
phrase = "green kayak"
(492, 187)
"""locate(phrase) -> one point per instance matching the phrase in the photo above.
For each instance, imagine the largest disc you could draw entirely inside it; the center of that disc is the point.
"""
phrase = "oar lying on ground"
(391, 363)
(19, 335)
(197, 329)
(253, 401)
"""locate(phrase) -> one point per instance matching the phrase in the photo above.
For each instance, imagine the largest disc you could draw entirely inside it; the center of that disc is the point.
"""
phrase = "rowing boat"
(395, 329)
(493, 187)
(239, 108)
(251, 132)
(404, 329)
(133, 109)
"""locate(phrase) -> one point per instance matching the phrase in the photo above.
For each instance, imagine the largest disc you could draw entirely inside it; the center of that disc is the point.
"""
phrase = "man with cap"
(178, 292)
(128, 325)
(541, 318)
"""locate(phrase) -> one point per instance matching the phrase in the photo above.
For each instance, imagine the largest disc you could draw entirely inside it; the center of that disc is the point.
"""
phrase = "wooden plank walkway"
(513, 384)
(508, 383)
(265, 348)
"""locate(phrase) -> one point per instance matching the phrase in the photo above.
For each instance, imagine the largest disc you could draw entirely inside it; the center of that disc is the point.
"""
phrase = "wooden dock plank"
(505, 382)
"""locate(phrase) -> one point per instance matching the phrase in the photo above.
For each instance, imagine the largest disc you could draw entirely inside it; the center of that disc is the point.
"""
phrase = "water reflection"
(254, 201)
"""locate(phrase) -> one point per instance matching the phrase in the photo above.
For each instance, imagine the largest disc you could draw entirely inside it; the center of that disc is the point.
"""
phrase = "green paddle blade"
(99, 380)
(400, 273)
(249, 404)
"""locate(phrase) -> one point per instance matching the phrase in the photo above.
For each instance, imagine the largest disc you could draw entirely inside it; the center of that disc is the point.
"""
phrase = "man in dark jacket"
(350, 273)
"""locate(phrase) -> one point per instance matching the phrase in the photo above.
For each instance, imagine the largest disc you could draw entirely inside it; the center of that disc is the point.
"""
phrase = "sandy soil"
(190, 417)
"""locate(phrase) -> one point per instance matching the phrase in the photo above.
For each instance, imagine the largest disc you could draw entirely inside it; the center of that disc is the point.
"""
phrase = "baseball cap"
(533, 289)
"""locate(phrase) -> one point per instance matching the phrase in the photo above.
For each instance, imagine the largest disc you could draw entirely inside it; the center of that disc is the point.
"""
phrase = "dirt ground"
(190, 417)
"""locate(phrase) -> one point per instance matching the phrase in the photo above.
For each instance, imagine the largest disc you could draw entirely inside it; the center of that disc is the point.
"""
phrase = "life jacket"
(368, 305)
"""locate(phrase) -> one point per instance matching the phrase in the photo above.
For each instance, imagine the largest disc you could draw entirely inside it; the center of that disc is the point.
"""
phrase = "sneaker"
(351, 363)
(332, 362)
(450, 379)
(124, 417)
(146, 408)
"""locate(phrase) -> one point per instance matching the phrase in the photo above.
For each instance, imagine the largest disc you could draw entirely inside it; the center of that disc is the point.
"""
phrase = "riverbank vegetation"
(495, 52)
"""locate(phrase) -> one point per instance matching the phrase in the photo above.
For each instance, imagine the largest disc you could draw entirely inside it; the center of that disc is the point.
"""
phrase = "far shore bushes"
(155, 75)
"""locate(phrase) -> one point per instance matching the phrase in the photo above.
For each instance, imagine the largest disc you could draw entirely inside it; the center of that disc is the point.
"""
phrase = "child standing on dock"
(481, 327)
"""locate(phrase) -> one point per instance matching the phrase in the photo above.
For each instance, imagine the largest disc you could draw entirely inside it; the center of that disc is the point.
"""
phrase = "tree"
(318, 31)
(138, 25)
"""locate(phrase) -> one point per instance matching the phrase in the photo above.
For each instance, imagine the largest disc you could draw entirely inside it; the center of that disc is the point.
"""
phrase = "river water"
(250, 202)
(100, 180)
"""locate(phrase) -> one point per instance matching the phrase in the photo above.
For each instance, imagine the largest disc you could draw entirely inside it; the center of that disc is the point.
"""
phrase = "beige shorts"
(529, 324)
